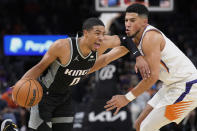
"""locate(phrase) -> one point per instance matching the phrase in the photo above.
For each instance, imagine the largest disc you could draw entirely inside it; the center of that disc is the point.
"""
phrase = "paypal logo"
(29, 44)
(40, 47)
(15, 44)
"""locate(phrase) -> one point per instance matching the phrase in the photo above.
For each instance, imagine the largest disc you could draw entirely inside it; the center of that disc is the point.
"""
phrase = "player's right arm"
(51, 55)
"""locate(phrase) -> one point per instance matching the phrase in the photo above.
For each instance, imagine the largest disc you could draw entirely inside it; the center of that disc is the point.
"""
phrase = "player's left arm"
(127, 45)
(111, 41)
(115, 53)
(108, 42)
(151, 47)
(127, 42)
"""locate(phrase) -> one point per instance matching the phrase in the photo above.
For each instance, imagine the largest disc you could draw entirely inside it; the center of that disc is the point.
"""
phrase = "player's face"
(95, 37)
(133, 23)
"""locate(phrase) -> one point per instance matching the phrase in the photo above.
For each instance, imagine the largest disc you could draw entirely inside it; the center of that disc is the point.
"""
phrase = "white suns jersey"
(174, 65)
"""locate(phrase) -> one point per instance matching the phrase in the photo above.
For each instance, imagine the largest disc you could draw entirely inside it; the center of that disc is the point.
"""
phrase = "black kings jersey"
(58, 78)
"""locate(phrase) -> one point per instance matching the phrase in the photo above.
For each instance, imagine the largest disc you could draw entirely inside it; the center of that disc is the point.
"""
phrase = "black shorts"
(52, 108)
(55, 106)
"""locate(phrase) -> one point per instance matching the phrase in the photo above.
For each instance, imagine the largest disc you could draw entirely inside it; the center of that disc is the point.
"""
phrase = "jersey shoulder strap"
(74, 45)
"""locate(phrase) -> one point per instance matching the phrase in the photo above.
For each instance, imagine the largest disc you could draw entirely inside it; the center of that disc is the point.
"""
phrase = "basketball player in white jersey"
(178, 96)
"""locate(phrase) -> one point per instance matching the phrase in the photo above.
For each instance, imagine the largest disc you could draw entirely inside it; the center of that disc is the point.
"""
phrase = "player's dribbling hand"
(117, 101)
(143, 67)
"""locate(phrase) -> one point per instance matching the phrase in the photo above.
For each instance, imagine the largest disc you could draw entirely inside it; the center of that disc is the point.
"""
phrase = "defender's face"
(133, 23)
(95, 37)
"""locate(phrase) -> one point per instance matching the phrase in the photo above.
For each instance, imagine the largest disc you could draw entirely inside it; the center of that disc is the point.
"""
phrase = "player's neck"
(138, 37)
(83, 47)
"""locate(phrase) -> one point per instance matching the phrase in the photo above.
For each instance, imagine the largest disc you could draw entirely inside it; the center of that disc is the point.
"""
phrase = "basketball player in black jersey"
(62, 67)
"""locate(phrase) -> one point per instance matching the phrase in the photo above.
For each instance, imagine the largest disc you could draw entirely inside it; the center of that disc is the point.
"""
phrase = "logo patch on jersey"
(75, 72)
(135, 52)
(91, 58)
(76, 58)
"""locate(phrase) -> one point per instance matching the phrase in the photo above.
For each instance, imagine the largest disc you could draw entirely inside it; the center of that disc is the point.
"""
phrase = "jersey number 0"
(75, 81)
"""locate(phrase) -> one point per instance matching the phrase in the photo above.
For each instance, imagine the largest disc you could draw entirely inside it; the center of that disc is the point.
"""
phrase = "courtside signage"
(29, 44)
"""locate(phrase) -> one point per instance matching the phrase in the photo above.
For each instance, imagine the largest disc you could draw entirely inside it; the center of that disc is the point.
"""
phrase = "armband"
(130, 45)
(130, 96)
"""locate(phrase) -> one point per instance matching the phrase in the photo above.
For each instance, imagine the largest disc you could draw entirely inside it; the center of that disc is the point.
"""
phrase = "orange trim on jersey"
(164, 65)
(176, 111)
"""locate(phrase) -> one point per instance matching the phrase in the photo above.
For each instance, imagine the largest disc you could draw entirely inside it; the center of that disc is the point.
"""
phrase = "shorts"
(178, 99)
(52, 108)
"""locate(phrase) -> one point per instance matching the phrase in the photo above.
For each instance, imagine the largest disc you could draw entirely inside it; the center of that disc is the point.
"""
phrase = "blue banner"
(29, 44)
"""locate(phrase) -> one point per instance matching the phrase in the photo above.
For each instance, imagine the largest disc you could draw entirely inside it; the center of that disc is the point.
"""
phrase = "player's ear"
(145, 21)
(85, 32)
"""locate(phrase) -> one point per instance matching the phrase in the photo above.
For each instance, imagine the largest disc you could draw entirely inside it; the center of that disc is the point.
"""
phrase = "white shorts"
(177, 100)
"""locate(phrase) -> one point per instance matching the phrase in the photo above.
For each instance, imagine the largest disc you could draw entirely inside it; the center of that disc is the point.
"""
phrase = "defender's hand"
(117, 102)
(142, 65)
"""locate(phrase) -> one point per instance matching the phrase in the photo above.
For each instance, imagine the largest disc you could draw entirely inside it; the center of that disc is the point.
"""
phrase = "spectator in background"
(6, 111)
(7, 96)
(14, 112)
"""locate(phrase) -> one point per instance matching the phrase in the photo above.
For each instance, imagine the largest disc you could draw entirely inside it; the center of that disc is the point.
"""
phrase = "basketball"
(27, 92)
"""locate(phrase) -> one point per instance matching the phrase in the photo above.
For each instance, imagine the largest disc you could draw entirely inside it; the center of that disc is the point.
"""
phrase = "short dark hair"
(138, 8)
(90, 22)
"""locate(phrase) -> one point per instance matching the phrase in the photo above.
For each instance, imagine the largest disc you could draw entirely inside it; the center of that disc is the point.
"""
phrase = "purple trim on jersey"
(187, 90)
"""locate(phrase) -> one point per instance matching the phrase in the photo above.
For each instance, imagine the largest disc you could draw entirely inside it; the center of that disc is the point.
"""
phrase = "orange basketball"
(27, 92)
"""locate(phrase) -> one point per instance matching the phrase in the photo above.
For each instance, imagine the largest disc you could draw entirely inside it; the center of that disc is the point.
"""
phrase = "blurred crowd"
(66, 17)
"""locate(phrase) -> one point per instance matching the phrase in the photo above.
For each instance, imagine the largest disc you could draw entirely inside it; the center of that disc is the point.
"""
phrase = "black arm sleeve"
(128, 43)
